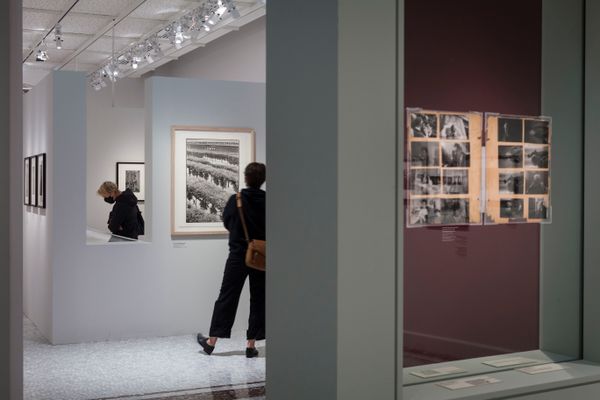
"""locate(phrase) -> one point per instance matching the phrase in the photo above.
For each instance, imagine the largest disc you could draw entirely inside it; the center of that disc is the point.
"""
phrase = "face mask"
(109, 200)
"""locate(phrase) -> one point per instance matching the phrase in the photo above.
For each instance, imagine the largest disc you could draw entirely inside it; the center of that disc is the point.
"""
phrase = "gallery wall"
(160, 288)
(469, 61)
(37, 272)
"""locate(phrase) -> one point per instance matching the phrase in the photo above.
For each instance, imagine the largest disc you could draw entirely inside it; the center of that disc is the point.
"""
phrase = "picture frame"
(207, 166)
(132, 175)
(27, 181)
(34, 182)
(41, 180)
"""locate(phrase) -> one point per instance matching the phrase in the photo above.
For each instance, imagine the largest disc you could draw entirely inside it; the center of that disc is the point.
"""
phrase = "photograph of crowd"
(423, 125)
(456, 181)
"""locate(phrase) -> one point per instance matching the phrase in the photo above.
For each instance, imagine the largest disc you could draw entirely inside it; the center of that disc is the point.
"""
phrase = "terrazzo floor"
(156, 368)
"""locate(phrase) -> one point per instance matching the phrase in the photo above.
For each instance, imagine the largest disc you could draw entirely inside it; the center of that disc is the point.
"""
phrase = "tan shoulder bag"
(256, 255)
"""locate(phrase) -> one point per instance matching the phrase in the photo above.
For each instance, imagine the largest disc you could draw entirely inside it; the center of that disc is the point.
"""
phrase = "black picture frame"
(141, 167)
(34, 182)
(27, 181)
(41, 180)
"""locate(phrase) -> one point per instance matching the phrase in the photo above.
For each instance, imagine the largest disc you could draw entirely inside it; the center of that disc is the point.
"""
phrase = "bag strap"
(238, 197)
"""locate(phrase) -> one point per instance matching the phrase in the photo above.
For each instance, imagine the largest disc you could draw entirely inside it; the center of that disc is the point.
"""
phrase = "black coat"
(123, 219)
(254, 204)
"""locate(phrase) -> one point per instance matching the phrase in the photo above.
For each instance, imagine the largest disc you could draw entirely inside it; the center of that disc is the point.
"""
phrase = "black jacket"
(123, 219)
(253, 203)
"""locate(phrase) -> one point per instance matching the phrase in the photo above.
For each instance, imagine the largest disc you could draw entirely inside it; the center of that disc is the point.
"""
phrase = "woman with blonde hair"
(125, 219)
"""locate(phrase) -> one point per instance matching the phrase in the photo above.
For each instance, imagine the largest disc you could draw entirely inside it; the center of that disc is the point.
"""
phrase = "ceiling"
(88, 27)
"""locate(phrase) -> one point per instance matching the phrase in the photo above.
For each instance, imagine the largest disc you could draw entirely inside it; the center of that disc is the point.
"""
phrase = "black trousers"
(226, 305)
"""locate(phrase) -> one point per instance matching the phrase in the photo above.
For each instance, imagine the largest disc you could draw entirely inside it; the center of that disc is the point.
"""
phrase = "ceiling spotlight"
(179, 35)
(235, 14)
(42, 55)
(58, 37)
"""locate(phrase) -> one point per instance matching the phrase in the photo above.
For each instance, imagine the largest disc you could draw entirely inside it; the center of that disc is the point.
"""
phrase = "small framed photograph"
(423, 125)
(454, 127)
(456, 154)
(425, 181)
(537, 131)
(132, 175)
(423, 212)
(511, 208)
(34, 182)
(425, 154)
(510, 130)
(510, 156)
(456, 181)
(27, 181)
(41, 180)
(536, 156)
(538, 208)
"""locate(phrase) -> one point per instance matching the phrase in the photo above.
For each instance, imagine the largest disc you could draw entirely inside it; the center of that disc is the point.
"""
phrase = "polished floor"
(156, 368)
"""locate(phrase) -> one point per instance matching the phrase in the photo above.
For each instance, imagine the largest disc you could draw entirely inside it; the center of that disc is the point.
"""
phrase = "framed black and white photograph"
(34, 182)
(456, 181)
(536, 156)
(27, 181)
(537, 131)
(456, 154)
(538, 208)
(425, 181)
(511, 208)
(207, 168)
(424, 212)
(512, 183)
(454, 127)
(132, 176)
(423, 125)
(510, 130)
(510, 156)
(41, 180)
(455, 211)
(425, 154)
(536, 182)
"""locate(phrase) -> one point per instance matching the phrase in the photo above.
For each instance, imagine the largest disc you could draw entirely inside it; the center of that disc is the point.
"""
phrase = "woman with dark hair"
(236, 270)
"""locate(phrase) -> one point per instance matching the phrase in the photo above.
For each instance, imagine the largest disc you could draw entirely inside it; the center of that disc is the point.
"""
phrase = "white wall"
(37, 273)
(115, 133)
(237, 56)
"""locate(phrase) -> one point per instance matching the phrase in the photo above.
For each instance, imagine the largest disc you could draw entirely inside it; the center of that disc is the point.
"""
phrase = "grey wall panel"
(587, 392)
(591, 343)
(367, 200)
(302, 126)
(400, 199)
(562, 99)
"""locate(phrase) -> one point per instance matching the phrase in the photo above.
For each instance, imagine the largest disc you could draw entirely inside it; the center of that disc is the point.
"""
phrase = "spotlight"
(58, 37)
(42, 56)
(178, 35)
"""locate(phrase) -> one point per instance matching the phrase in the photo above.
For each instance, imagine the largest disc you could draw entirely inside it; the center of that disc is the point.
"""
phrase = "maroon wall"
(477, 294)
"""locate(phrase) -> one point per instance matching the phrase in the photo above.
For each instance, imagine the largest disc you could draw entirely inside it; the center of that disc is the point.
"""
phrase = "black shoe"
(251, 352)
(203, 341)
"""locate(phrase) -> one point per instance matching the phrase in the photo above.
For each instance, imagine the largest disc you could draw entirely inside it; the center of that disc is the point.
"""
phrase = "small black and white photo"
(538, 208)
(536, 156)
(511, 208)
(512, 182)
(510, 130)
(456, 181)
(510, 156)
(537, 132)
(425, 181)
(536, 182)
(456, 154)
(425, 154)
(455, 211)
(425, 212)
(132, 180)
(454, 127)
(423, 125)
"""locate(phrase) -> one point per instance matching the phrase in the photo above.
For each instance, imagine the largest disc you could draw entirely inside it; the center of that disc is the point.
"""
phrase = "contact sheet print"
(518, 179)
(444, 174)
(448, 154)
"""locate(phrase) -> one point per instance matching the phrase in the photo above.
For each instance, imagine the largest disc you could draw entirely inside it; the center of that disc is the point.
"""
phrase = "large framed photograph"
(27, 181)
(41, 180)
(207, 168)
(132, 175)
